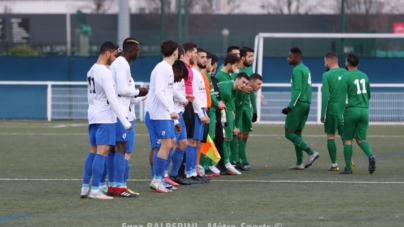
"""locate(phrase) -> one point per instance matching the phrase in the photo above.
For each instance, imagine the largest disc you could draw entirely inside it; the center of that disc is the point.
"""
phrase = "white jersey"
(125, 86)
(179, 96)
(132, 111)
(103, 106)
(160, 101)
(199, 90)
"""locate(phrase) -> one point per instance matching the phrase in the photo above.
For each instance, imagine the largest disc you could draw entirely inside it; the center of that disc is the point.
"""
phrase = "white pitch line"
(228, 181)
(138, 134)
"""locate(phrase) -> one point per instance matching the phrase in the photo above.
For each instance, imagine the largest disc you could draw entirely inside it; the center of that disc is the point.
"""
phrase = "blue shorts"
(198, 129)
(131, 138)
(102, 134)
(154, 140)
(121, 134)
(183, 134)
(164, 129)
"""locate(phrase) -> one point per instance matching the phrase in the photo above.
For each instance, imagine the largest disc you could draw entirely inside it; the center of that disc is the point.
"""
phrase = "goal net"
(271, 49)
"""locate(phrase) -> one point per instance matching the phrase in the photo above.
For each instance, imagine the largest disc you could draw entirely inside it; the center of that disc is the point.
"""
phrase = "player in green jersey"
(298, 109)
(231, 50)
(247, 106)
(329, 104)
(353, 112)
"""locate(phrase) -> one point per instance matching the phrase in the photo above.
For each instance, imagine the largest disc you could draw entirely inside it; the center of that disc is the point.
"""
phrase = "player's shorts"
(121, 134)
(189, 120)
(230, 127)
(199, 129)
(154, 139)
(131, 138)
(246, 121)
(331, 124)
(212, 122)
(164, 129)
(102, 134)
(183, 134)
(297, 117)
(356, 123)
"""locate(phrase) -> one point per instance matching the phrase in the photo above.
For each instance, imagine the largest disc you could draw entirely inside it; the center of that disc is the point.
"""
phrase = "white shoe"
(311, 159)
(297, 167)
(158, 186)
(104, 190)
(214, 169)
(84, 192)
(98, 195)
(231, 168)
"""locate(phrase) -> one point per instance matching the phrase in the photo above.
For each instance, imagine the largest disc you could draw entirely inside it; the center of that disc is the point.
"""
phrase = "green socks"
(365, 146)
(234, 150)
(242, 151)
(226, 146)
(348, 156)
(298, 142)
(332, 150)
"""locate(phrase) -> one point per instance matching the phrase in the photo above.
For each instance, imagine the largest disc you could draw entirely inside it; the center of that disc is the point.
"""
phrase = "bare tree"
(101, 6)
(292, 6)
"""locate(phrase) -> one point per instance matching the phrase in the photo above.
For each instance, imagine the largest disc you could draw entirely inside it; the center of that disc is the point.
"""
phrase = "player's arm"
(107, 82)
(368, 89)
(161, 81)
(342, 99)
(238, 110)
(178, 94)
(215, 101)
(122, 83)
(221, 77)
(137, 99)
(296, 88)
(196, 103)
(325, 93)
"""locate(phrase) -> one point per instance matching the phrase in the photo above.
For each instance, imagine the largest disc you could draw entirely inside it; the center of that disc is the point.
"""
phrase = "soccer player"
(329, 104)
(232, 50)
(102, 111)
(298, 109)
(248, 100)
(125, 90)
(161, 110)
(354, 112)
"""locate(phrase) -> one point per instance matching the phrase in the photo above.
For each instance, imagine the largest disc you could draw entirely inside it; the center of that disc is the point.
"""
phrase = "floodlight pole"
(123, 21)
(162, 15)
(342, 27)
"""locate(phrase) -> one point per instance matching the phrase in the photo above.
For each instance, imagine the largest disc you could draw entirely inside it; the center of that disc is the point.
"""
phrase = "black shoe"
(205, 179)
(346, 171)
(227, 172)
(372, 164)
(247, 167)
(126, 194)
(194, 180)
(233, 164)
(180, 180)
(240, 166)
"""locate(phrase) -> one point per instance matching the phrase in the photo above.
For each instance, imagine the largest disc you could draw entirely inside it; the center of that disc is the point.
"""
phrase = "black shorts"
(189, 119)
(205, 131)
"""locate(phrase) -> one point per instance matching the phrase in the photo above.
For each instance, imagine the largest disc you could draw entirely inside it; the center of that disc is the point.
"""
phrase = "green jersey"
(354, 91)
(330, 91)
(227, 94)
(215, 102)
(232, 75)
(222, 76)
(249, 100)
(301, 85)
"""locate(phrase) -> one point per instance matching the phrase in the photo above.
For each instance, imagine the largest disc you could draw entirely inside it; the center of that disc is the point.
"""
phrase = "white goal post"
(397, 115)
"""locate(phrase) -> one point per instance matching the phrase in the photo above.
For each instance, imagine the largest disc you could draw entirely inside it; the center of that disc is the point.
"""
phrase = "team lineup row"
(189, 104)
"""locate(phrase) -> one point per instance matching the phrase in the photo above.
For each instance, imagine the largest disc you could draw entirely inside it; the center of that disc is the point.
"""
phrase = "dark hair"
(215, 59)
(244, 51)
(231, 59)
(181, 67)
(331, 56)
(181, 51)
(129, 43)
(231, 48)
(189, 47)
(208, 55)
(243, 75)
(168, 47)
(256, 76)
(108, 46)
(296, 50)
(352, 60)
(200, 50)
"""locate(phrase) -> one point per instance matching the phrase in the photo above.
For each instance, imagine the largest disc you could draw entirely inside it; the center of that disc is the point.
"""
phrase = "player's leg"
(313, 155)
(348, 129)
(245, 129)
(227, 143)
(205, 162)
(88, 163)
(330, 127)
(360, 135)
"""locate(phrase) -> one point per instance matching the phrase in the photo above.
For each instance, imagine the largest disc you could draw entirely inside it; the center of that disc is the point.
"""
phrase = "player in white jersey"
(161, 110)
(102, 112)
(125, 91)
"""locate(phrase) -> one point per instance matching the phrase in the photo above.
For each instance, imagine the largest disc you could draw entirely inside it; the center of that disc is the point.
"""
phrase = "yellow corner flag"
(209, 150)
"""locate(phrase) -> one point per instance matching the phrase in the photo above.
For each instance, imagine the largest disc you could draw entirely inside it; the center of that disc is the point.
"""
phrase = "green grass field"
(41, 168)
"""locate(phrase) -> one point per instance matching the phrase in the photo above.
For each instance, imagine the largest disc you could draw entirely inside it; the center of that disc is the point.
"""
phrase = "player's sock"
(189, 159)
(365, 146)
(119, 169)
(178, 155)
(298, 141)
(204, 161)
(159, 165)
(111, 170)
(234, 150)
(127, 170)
(195, 160)
(299, 155)
(242, 151)
(169, 159)
(88, 165)
(332, 150)
(226, 147)
(103, 183)
(154, 159)
(348, 156)
(97, 170)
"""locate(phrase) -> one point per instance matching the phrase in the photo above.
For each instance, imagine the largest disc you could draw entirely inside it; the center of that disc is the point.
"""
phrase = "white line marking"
(228, 181)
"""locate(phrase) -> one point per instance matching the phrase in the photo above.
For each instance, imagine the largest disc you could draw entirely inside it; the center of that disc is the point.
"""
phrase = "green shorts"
(331, 124)
(229, 128)
(212, 122)
(246, 121)
(297, 117)
(356, 123)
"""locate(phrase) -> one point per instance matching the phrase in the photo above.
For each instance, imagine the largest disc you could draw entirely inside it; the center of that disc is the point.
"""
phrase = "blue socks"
(97, 169)
(159, 165)
(154, 163)
(88, 165)
(190, 159)
(169, 158)
(119, 165)
(177, 161)
(104, 174)
(111, 171)
(127, 170)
